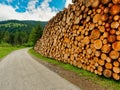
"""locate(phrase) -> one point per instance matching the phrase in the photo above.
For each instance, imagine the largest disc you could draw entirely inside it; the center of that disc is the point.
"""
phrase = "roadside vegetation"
(105, 82)
(6, 49)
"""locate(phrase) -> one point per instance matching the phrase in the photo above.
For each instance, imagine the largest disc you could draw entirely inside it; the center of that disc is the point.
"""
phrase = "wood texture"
(86, 35)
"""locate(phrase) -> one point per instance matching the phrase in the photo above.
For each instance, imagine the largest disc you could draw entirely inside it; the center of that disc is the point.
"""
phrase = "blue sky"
(40, 10)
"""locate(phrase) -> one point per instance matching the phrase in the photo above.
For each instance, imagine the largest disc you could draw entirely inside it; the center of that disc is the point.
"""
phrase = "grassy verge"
(6, 50)
(110, 83)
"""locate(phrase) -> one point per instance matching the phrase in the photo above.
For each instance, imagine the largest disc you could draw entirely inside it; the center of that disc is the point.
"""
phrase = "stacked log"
(86, 35)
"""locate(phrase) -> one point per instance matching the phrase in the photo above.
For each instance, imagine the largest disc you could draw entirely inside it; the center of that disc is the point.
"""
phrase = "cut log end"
(107, 73)
(98, 44)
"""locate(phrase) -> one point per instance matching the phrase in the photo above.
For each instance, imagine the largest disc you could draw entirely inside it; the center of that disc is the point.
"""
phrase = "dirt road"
(18, 71)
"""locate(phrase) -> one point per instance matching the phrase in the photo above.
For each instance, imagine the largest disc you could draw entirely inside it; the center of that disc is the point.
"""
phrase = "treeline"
(21, 37)
(13, 38)
(16, 32)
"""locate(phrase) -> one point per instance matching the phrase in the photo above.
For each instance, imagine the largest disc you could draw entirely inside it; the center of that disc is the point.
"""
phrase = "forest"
(17, 33)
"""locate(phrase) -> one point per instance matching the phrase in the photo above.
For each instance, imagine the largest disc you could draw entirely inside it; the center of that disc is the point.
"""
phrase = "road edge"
(78, 81)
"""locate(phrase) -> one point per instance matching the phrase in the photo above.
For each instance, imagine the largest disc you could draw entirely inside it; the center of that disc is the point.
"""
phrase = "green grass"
(105, 82)
(6, 50)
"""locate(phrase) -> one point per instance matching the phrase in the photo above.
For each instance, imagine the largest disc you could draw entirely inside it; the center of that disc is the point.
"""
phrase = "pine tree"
(6, 37)
(35, 34)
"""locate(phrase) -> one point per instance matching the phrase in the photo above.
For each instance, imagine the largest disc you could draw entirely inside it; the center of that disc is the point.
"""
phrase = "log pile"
(86, 35)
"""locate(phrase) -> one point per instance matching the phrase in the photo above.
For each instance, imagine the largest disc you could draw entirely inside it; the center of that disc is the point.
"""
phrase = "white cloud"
(68, 2)
(31, 4)
(7, 12)
(41, 13)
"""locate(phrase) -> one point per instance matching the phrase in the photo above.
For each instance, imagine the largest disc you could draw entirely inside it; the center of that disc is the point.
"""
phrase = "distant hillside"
(20, 32)
(15, 25)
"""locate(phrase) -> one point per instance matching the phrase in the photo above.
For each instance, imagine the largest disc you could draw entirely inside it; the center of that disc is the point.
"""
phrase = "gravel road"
(19, 71)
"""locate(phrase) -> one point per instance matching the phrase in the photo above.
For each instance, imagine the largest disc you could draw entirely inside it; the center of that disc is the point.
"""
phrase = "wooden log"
(96, 59)
(118, 37)
(104, 17)
(92, 26)
(115, 25)
(88, 68)
(106, 10)
(116, 69)
(105, 41)
(65, 56)
(97, 53)
(87, 19)
(72, 57)
(107, 26)
(91, 70)
(112, 32)
(115, 9)
(86, 40)
(116, 63)
(101, 28)
(95, 34)
(98, 44)
(107, 73)
(83, 8)
(96, 64)
(114, 54)
(89, 51)
(100, 68)
(79, 65)
(119, 59)
(103, 56)
(96, 18)
(116, 76)
(77, 20)
(116, 1)
(108, 66)
(100, 23)
(108, 59)
(67, 40)
(89, 12)
(116, 17)
(105, 34)
(98, 11)
(96, 71)
(95, 3)
(116, 46)
(105, 1)
(111, 38)
(117, 33)
(102, 38)
(101, 62)
(99, 73)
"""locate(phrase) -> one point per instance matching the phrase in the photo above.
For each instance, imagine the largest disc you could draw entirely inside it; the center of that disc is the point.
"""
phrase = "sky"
(39, 10)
